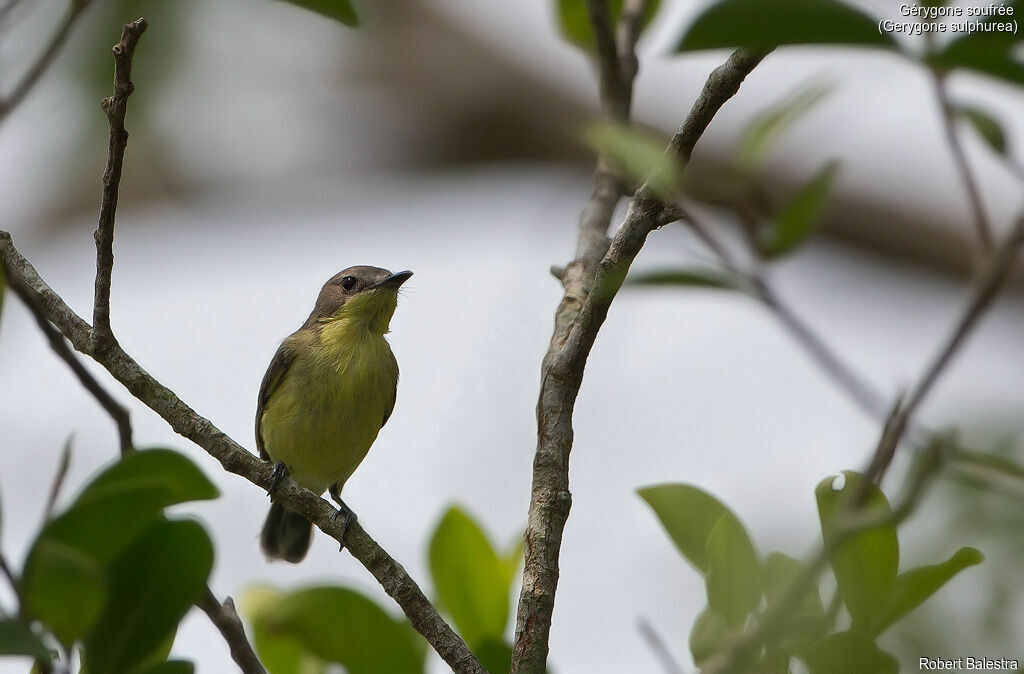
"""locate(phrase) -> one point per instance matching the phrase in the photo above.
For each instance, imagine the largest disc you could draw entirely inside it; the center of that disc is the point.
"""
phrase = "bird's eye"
(348, 283)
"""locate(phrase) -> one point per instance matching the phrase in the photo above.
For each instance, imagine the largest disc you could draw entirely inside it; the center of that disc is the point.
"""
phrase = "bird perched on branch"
(329, 390)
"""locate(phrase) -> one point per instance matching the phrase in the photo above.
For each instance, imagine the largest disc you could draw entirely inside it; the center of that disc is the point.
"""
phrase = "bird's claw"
(277, 476)
(344, 517)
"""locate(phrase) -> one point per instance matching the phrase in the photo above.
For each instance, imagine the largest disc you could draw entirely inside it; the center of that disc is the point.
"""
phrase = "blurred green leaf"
(987, 127)
(698, 277)
(764, 130)
(640, 156)
(132, 493)
(472, 582)
(688, 515)
(865, 566)
(575, 23)
(733, 578)
(798, 217)
(169, 667)
(64, 577)
(279, 652)
(339, 10)
(780, 571)
(709, 635)
(152, 585)
(763, 25)
(986, 51)
(917, 585)
(848, 653)
(342, 626)
(495, 656)
(17, 638)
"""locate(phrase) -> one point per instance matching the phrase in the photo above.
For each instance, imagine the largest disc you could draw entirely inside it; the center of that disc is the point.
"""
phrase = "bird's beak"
(395, 280)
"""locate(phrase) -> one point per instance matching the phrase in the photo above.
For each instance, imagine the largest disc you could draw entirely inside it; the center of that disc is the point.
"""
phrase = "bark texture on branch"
(236, 459)
(591, 282)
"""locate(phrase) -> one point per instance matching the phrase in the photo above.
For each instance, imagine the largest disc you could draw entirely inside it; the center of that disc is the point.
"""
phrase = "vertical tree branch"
(225, 618)
(590, 287)
(115, 107)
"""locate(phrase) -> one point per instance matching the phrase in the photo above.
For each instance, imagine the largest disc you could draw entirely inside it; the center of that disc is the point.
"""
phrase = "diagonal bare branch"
(236, 459)
(9, 102)
(591, 282)
(225, 618)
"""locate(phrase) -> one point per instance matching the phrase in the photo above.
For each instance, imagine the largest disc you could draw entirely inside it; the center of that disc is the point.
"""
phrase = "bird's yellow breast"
(326, 412)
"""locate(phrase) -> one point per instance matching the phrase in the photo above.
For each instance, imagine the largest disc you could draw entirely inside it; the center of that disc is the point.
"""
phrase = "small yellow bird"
(329, 390)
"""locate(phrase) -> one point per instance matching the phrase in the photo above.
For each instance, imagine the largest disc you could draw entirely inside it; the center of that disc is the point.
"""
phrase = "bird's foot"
(277, 476)
(343, 516)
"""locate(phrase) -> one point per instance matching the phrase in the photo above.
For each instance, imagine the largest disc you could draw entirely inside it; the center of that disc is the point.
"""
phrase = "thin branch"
(58, 479)
(45, 59)
(631, 23)
(225, 618)
(989, 286)
(5, 570)
(236, 459)
(956, 148)
(60, 347)
(615, 91)
(115, 107)
(590, 288)
(658, 647)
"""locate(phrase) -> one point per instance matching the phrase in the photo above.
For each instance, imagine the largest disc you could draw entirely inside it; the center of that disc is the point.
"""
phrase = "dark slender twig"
(236, 459)
(58, 479)
(631, 21)
(658, 647)
(591, 282)
(615, 91)
(989, 286)
(980, 218)
(45, 59)
(60, 347)
(115, 107)
(5, 570)
(225, 618)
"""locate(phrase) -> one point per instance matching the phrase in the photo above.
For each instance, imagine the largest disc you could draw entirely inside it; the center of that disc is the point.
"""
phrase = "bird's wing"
(394, 393)
(275, 373)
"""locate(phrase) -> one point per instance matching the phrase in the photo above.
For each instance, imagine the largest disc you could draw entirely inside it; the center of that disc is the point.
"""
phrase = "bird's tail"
(286, 535)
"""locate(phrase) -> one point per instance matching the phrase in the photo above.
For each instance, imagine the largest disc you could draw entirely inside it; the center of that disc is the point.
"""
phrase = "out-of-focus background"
(271, 147)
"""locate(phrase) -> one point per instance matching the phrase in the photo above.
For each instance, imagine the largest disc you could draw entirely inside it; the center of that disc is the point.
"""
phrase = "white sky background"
(682, 386)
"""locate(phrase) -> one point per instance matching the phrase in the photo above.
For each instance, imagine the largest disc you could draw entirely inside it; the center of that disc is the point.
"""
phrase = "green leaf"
(472, 582)
(152, 585)
(917, 585)
(765, 129)
(342, 626)
(688, 515)
(798, 217)
(339, 10)
(762, 25)
(17, 638)
(575, 24)
(733, 578)
(495, 656)
(865, 566)
(279, 652)
(709, 635)
(697, 277)
(848, 653)
(808, 623)
(132, 493)
(63, 576)
(638, 155)
(780, 571)
(987, 127)
(169, 667)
